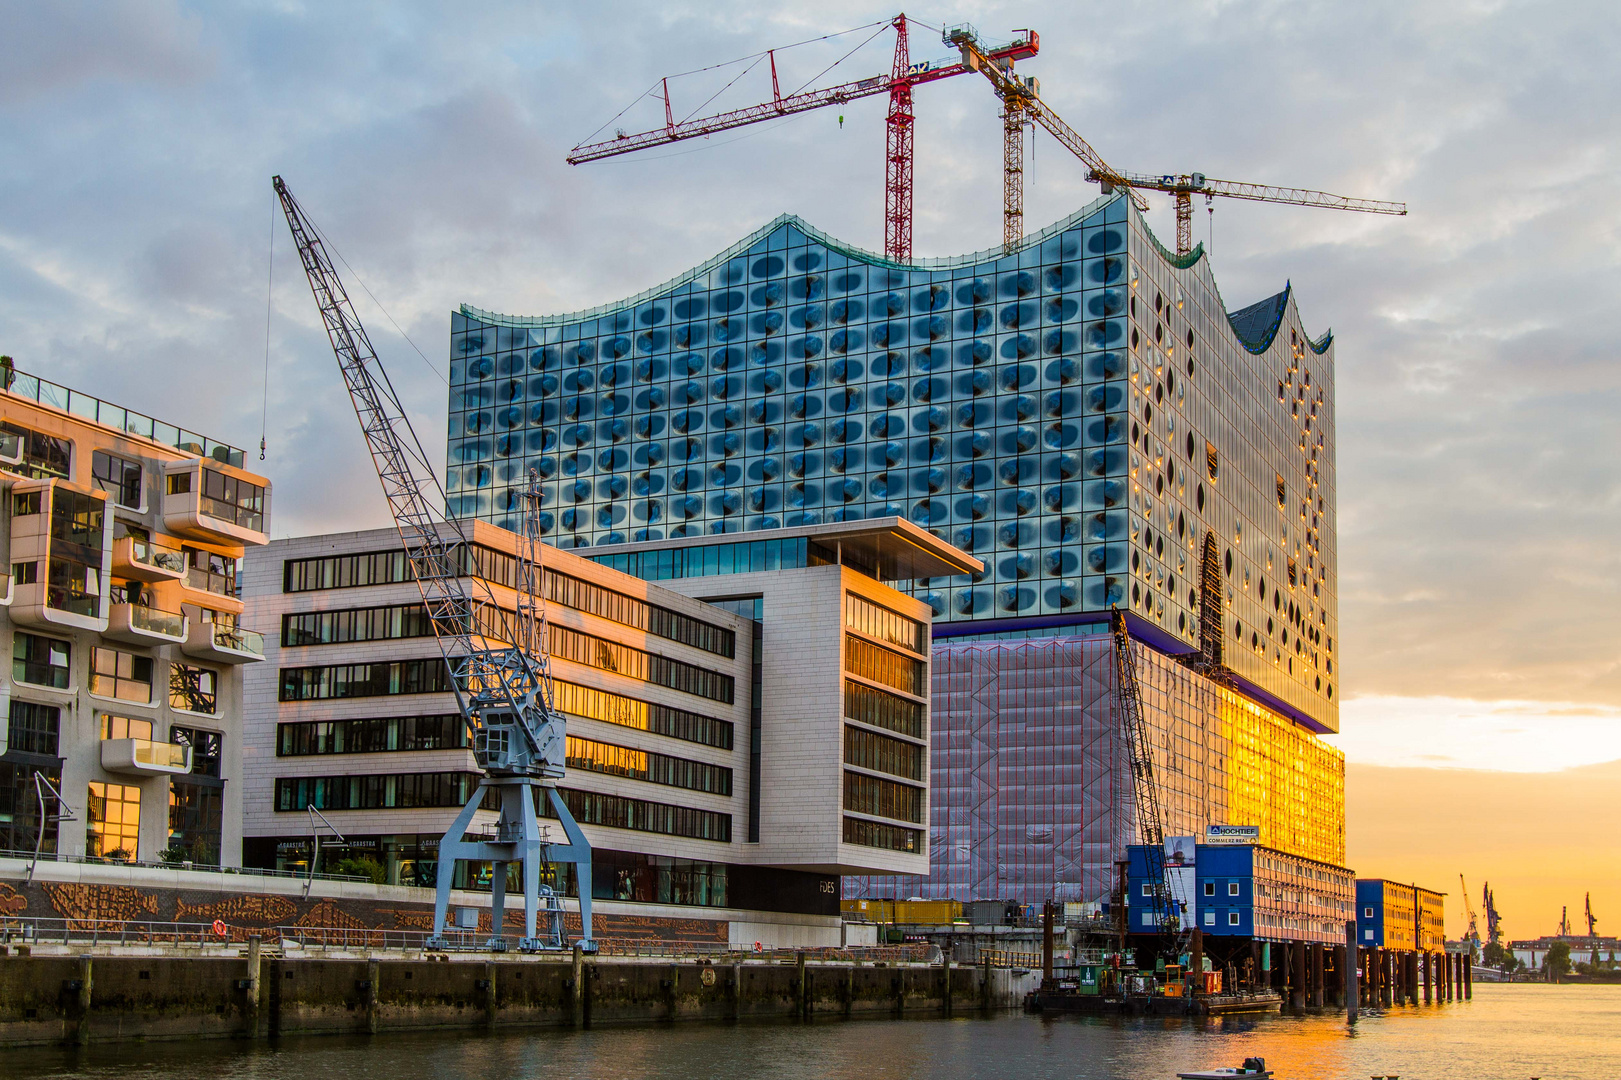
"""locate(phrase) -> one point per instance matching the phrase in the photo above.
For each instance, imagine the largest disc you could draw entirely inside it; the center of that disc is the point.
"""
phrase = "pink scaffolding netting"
(1031, 795)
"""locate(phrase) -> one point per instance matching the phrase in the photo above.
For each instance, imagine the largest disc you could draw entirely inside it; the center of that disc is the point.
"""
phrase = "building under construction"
(1083, 413)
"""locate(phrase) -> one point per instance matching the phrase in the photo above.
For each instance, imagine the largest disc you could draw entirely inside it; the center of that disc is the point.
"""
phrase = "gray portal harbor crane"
(496, 657)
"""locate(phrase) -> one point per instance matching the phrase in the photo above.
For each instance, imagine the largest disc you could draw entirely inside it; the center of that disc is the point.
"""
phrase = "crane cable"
(270, 283)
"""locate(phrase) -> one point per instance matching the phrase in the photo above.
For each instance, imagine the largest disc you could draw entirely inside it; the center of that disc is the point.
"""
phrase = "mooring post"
(1468, 981)
(250, 1001)
(1196, 962)
(1348, 978)
(802, 985)
(1297, 996)
(737, 990)
(489, 993)
(374, 971)
(81, 1033)
(945, 998)
(985, 983)
(1318, 975)
(578, 977)
(1047, 944)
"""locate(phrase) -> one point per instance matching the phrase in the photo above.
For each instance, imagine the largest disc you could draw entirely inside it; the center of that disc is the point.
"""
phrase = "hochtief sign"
(1232, 834)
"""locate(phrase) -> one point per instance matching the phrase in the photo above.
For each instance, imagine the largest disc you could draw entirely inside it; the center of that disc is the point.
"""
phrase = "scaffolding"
(1031, 783)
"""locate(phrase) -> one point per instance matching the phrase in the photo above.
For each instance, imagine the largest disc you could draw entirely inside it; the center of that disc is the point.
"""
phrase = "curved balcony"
(142, 560)
(138, 624)
(225, 644)
(145, 757)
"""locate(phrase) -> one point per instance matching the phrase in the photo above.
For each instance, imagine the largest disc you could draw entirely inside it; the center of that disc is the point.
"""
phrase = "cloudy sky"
(1477, 373)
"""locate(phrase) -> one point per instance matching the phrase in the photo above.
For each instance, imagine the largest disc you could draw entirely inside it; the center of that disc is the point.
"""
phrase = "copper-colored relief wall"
(246, 913)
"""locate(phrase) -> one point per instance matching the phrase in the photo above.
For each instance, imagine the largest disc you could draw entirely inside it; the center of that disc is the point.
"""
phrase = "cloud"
(1463, 733)
(1477, 493)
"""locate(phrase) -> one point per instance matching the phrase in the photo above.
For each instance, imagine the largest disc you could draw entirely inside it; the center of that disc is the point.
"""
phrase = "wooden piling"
(1352, 990)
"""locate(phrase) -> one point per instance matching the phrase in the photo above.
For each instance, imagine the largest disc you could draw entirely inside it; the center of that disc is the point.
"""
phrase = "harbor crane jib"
(496, 657)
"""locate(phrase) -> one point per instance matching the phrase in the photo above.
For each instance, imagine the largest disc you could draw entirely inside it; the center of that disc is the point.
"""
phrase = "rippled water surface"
(1506, 1032)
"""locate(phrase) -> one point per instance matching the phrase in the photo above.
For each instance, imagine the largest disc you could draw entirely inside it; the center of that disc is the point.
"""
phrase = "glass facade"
(1031, 795)
(1083, 414)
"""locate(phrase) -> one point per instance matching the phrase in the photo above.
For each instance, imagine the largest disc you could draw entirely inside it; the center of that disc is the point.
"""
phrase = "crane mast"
(1166, 908)
(495, 656)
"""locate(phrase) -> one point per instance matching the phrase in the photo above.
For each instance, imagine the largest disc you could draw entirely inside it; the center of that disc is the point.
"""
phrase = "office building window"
(879, 622)
(1210, 888)
(207, 749)
(1232, 918)
(385, 623)
(641, 815)
(1232, 888)
(882, 798)
(594, 704)
(33, 729)
(597, 652)
(590, 755)
(870, 705)
(124, 727)
(227, 498)
(877, 835)
(196, 821)
(121, 675)
(114, 817)
(40, 660)
(120, 477)
(605, 603)
(19, 805)
(193, 689)
(73, 571)
(34, 454)
(880, 753)
(882, 665)
(425, 676)
(390, 791)
(371, 735)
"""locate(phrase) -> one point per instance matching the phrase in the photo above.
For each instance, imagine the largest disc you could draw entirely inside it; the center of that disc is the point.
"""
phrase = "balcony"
(215, 503)
(138, 624)
(142, 560)
(145, 757)
(225, 644)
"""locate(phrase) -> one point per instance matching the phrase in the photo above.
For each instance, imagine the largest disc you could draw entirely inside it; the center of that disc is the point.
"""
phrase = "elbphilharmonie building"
(1086, 415)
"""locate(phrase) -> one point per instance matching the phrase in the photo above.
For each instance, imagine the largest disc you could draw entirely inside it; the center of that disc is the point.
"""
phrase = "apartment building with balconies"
(122, 537)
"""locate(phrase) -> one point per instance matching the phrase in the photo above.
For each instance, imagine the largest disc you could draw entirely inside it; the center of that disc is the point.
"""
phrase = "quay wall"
(80, 999)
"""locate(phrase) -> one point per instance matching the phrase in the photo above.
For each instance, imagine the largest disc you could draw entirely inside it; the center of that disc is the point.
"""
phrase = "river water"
(1506, 1032)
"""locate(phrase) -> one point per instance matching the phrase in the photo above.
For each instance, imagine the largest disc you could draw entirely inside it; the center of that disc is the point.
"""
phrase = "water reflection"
(1506, 1032)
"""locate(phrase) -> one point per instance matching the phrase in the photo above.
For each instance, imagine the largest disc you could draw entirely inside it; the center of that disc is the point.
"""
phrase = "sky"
(142, 258)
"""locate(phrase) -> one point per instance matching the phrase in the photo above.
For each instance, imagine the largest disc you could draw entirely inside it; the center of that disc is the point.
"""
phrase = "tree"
(1494, 955)
(1557, 962)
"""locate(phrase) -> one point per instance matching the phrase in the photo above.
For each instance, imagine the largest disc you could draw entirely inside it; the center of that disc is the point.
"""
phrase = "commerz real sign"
(1232, 834)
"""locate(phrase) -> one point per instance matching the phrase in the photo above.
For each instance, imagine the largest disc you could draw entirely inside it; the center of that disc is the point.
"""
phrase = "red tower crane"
(898, 84)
